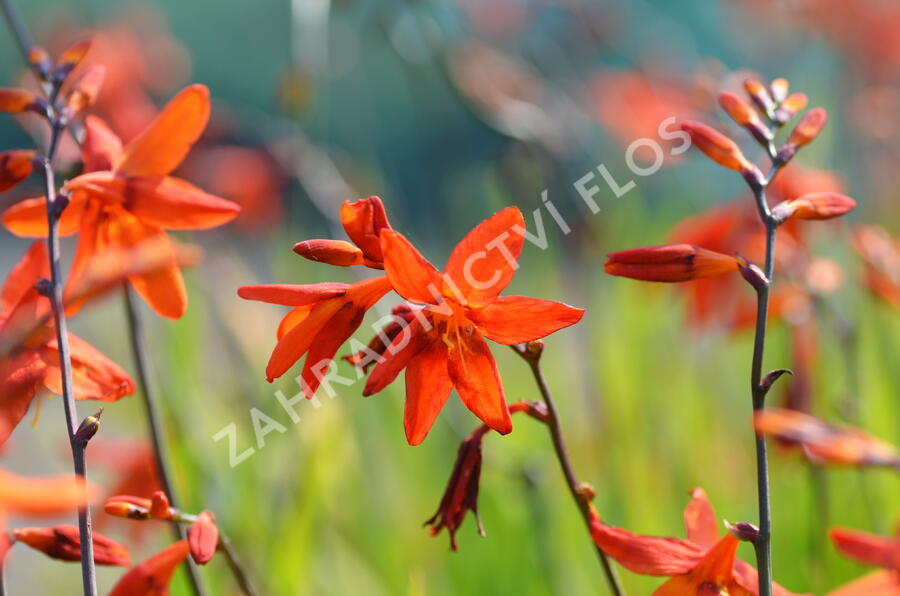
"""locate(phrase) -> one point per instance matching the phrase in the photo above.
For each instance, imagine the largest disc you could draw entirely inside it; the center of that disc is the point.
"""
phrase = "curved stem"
(234, 563)
(532, 357)
(154, 420)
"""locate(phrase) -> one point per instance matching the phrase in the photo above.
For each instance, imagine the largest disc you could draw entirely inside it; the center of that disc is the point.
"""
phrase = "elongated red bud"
(332, 252)
(203, 538)
(64, 543)
(70, 58)
(717, 146)
(127, 510)
(744, 114)
(809, 127)
(817, 205)
(85, 92)
(16, 100)
(15, 166)
(671, 263)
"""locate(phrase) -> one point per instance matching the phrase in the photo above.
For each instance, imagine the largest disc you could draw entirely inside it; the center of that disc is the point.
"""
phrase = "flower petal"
(405, 345)
(428, 386)
(293, 295)
(28, 218)
(94, 375)
(152, 577)
(412, 276)
(166, 141)
(477, 381)
(712, 576)
(878, 583)
(646, 555)
(484, 262)
(867, 548)
(20, 377)
(51, 495)
(336, 331)
(33, 265)
(294, 317)
(298, 340)
(700, 520)
(518, 319)
(101, 146)
(174, 204)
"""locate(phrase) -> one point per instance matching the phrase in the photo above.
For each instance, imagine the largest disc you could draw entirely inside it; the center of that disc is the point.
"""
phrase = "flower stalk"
(154, 419)
(531, 353)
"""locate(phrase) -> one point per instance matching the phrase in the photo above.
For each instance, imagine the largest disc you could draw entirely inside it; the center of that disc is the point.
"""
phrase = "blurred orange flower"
(126, 197)
(702, 564)
(445, 348)
(152, 577)
(881, 259)
(869, 549)
(826, 442)
(35, 361)
(64, 543)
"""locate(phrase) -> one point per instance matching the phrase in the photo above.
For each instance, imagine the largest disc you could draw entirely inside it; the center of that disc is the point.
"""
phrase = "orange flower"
(717, 146)
(85, 90)
(15, 166)
(17, 100)
(702, 564)
(35, 362)
(152, 577)
(203, 537)
(820, 440)
(869, 549)
(325, 315)
(671, 263)
(64, 543)
(817, 205)
(127, 197)
(445, 348)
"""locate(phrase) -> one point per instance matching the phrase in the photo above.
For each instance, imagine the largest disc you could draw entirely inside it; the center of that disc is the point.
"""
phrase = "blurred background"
(451, 111)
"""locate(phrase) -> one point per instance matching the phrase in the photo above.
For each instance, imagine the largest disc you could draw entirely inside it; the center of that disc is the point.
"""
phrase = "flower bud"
(160, 507)
(753, 275)
(17, 100)
(743, 531)
(716, 146)
(40, 61)
(808, 128)
(744, 114)
(70, 58)
(817, 205)
(759, 94)
(15, 166)
(84, 93)
(779, 89)
(671, 263)
(128, 507)
(795, 103)
(203, 538)
(88, 427)
(332, 252)
(64, 543)
(363, 221)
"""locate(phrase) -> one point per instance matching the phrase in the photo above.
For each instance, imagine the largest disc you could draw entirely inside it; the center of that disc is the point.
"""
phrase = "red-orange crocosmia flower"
(64, 543)
(127, 197)
(671, 263)
(325, 315)
(152, 577)
(15, 166)
(869, 549)
(702, 564)
(445, 347)
(823, 441)
(34, 362)
(203, 537)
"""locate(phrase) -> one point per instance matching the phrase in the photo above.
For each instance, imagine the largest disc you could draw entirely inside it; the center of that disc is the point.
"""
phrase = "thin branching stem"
(54, 291)
(533, 357)
(154, 420)
(237, 568)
